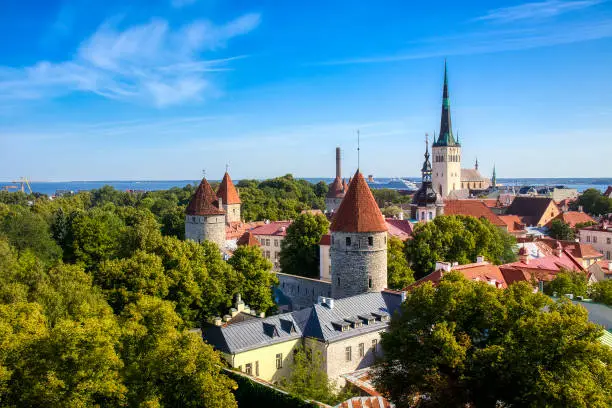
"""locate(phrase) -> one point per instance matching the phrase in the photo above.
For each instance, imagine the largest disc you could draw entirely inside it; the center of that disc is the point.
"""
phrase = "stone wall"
(206, 228)
(302, 292)
(359, 267)
(232, 212)
(446, 169)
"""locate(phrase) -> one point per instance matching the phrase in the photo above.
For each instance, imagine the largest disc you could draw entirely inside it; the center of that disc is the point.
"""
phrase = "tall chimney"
(338, 163)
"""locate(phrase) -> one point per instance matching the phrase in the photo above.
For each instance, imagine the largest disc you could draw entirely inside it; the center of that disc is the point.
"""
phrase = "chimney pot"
(444, 266)
(480, 259)
(217, 321)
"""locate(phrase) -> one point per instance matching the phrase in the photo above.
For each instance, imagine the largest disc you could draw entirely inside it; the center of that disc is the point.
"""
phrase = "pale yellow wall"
(446, 174)
(324, 263)
(267, 360)
(271, 246)
(551, 212)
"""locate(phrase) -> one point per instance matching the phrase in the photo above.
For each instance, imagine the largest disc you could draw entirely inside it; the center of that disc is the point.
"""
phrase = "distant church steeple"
(476, 164)
(494, 178)
(445, 137)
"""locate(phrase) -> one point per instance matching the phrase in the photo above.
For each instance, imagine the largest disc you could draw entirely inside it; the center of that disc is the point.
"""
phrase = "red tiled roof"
(277, 228)
(234, 230)
(475, 208)
(401, 229)
(227, 192)
(572, 218)
(204, 201)
(530, 209)
(575, 249)
(543, 268)
(365, 402)
(325, 240)
(336, 189)
(490, 202)
(358, 211)
(248, 239)
(605, 265)
(481, 271)
(513, 222)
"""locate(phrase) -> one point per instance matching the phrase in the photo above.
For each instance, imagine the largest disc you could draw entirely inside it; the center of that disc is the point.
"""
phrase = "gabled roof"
(531, 209)
(336, 188)
(475, 208)
(401, 229)
(472, 175)
(204, 201)
(277, 228)
(358, 211)
(227, 192)
(248, 239)
(480, 271)
(513, 222)
(572, 218)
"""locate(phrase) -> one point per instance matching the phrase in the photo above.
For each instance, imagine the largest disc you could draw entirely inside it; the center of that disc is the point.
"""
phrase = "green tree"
(29, 231)
(391, 211)
(399, 274)
(602, 292)
(97, 236)
(300, 248)
(561, 230)
(567, 282)
(256, 276)
(593, 202)
(457, 238)
(165, 364)
(466, 343)
(308, 379)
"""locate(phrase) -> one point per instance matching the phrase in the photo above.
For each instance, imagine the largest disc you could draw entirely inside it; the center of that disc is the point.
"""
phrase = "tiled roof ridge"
(204, 201)
(227, 191)
(358, 211)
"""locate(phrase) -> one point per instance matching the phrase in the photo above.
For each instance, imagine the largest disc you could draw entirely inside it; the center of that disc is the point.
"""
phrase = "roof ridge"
(204, 201)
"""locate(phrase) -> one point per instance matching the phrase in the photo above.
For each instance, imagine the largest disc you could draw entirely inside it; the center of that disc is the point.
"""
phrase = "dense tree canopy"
(567, 282)
(601, 292)
(467, 343)
(561, 230)
(257, 282)
(399, 273)
(457, 238)
(300, 248)
(593, 202)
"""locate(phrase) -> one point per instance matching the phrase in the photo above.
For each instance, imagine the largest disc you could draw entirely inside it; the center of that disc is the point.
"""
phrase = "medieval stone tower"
(205, 220)
(446, 152)
(358, 243)
(228, 195)
(337, 189)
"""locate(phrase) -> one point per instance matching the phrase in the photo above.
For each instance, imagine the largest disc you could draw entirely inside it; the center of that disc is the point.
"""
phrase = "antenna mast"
(358, 154)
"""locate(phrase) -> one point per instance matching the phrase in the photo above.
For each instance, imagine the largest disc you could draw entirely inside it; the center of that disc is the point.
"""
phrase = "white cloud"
(536, 10)
(148, 62)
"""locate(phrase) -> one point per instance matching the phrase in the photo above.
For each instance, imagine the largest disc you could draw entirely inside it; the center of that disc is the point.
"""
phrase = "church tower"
(426, 202)
(204, 219)
(446, 152)
(229, 198)
(358, 247)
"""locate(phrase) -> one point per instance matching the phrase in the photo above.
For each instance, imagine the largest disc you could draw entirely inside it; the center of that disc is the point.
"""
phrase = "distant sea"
(50, 188)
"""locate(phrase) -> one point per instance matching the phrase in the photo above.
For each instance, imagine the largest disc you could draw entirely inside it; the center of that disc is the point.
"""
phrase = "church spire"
(494, 178)
(476, 164)
(426, 169)
(445, 138)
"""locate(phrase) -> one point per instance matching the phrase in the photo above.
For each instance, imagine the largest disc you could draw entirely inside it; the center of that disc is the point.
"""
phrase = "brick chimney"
(338, 163)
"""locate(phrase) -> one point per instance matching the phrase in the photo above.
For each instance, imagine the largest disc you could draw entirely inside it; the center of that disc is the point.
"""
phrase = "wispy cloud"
(491, 41)
(535, 10)
(148, 62)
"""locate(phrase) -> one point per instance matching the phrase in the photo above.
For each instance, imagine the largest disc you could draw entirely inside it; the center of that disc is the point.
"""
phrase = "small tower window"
(371, 241)
(338, 281)
(370, 282)
(348, 241)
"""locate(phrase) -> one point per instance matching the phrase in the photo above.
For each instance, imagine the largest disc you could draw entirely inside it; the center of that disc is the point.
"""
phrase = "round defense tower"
(358, 247)
(204, 219)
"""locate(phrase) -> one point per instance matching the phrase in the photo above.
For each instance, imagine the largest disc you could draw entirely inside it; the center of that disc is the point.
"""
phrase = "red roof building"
(274, 228)
(401, 229)
(514, 224)
(572, 218)
(479, 271)
(227, 191)
(204, 201)
(358, 211)
(474, 208)
(248, 239)
(336, 188)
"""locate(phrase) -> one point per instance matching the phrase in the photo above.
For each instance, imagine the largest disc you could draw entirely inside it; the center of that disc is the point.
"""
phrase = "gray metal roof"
(316, 322)
(598, 313)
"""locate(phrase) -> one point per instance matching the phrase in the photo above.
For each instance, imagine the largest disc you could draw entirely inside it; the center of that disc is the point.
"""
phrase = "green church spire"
(445, 138)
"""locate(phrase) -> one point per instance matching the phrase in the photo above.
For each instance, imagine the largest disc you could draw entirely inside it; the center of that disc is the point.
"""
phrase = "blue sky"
(93, 90)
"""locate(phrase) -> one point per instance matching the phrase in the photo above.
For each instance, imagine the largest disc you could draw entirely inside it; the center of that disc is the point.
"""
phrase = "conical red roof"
(227, 192)
(248, 239)
(204, 201)
(358, 211)
(336, 190)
